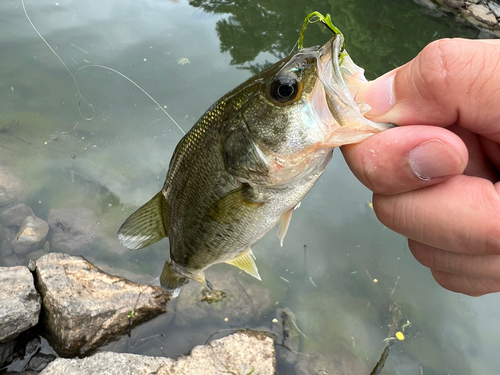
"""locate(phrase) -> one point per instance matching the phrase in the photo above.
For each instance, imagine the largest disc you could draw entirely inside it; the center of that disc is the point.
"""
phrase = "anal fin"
(147, 225)
(245, 262)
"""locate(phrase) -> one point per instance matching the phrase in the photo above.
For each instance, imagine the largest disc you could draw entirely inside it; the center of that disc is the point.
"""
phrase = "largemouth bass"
(249, 161)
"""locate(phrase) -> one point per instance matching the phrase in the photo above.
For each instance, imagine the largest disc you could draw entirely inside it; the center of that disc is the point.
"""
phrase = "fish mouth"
(341, 79)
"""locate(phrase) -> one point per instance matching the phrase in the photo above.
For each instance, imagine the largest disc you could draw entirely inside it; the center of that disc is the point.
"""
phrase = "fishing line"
(69, 71)
(136, 85)
(94, 66)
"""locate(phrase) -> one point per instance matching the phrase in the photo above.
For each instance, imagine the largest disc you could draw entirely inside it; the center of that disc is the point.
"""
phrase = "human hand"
(439, 185)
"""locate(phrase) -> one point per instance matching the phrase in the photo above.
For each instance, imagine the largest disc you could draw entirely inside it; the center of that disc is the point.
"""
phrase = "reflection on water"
(102, 170)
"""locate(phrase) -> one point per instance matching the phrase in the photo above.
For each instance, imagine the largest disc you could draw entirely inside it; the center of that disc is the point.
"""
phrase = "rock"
(240, 353)
(32, 232)
(36, 254)
(11, 187)
(483, 14)
(86, 307)
(39, 361)
(9, 261)
(14, 216)
(20, 305)
(455, 3)
(495, 8)
(73, 230)
(7, 352)
(245, 300)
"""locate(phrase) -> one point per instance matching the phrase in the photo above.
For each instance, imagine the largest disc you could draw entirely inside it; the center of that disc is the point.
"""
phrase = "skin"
(435, 177)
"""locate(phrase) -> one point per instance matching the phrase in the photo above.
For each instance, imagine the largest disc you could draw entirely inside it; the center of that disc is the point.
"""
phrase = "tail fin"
(171, 280)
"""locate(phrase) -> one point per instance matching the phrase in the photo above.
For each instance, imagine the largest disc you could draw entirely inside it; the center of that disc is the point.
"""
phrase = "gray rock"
(86, 307)
(14, 216)
(32, 232)
(245, 300)
(36, 254)
(39, 361)
(7, 352)
(20, 305)
(495, 8)
(73, 230)
(11, 187)
(483, 13)
(9, 261)
(455, 3)
(240, 353)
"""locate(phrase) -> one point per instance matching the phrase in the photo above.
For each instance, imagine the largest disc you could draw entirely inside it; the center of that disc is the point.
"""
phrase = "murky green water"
(335, 247)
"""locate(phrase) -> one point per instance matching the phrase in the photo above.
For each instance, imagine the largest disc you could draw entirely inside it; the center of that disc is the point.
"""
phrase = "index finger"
(452, 81)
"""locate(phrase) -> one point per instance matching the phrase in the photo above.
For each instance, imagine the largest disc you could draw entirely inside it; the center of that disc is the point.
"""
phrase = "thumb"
(451, 81)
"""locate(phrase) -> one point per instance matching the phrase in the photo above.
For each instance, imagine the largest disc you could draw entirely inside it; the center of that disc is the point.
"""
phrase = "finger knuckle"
(440, 63)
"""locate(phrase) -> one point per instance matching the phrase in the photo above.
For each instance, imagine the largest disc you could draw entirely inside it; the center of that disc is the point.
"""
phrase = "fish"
(248, 162)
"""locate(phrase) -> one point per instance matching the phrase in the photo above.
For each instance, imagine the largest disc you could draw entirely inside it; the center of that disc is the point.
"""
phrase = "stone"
(73, 229)
(39, 361)
(245, 300)
(455, 3)
(14, 216)
(11, 187)
(7, 352)
(20, 305)
(495, 8)
(9, 261)
(86, 307)
(483, 14)
(36, 254)
(32, 232)
(240, 353)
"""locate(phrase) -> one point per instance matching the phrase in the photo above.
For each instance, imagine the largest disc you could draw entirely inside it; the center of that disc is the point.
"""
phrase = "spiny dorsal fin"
(147, 225)
(245, 262)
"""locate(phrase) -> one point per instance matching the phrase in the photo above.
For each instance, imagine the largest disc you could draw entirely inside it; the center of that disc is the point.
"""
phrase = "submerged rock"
(73, 230)
(86, 307)
(14, 216)
(32, 232)
(20, 302)
(240, 299)
(11, 187)
(240, 353)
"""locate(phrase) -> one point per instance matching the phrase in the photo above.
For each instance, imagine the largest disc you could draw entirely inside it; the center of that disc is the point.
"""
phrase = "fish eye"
(284, 89)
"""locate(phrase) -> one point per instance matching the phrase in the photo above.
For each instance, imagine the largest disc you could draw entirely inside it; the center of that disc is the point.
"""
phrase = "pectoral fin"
(234, 206)
(147, 225)
(245, 262)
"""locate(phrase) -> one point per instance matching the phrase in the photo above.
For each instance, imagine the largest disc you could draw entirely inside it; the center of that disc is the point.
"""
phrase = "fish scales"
(249, 161)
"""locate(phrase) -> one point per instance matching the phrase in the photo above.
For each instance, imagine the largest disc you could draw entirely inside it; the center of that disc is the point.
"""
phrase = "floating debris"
(183, 61)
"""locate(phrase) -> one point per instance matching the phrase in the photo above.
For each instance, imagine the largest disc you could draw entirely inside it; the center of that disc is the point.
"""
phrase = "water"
(109, 166)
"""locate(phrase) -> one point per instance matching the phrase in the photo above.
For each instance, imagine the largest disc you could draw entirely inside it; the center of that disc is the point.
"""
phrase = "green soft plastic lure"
(325, 20)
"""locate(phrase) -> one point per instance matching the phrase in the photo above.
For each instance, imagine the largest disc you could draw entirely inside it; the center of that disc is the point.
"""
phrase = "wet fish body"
(249, 161)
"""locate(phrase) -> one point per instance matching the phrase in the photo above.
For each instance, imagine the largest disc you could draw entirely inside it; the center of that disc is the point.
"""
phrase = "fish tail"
(171, 281)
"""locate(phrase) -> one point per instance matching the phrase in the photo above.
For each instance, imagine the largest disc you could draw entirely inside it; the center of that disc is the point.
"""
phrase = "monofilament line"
(136, 85)
(95, 66)
(62, 62)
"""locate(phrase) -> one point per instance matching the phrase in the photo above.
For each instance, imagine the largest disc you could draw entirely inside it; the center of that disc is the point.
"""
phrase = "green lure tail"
(325, 20)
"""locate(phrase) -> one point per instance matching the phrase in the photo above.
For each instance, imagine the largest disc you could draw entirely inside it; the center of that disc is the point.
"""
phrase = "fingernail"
(434, 159)
(378, 94)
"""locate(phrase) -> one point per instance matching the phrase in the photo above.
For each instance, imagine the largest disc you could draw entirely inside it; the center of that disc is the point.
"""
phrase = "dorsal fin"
(245, 262)
(147, 225)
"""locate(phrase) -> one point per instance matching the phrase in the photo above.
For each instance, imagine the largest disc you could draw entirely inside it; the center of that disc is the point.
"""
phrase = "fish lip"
(336, 48)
